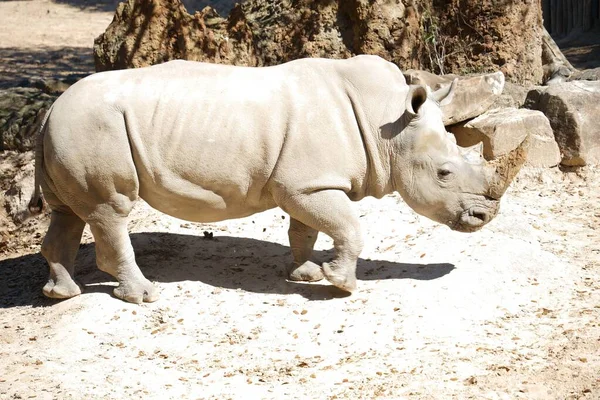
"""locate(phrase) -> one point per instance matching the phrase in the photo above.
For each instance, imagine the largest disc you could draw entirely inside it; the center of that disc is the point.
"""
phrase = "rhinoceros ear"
(473, 154)
(416, 97)
(445, 94)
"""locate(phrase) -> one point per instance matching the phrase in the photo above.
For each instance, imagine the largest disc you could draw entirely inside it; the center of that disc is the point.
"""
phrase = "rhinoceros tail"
(37, 203)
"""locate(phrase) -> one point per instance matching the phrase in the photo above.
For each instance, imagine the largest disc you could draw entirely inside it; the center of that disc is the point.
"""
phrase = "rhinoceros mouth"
(473, 219)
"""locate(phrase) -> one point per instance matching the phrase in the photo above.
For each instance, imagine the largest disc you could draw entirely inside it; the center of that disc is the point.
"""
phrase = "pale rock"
(586, 75)
(573, 109)
(502, 130)
(513, 95)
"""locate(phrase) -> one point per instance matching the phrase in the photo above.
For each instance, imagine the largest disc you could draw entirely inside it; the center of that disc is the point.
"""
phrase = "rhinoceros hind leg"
(60, 249)
(331, 212)
(114, 255)
(302, 239)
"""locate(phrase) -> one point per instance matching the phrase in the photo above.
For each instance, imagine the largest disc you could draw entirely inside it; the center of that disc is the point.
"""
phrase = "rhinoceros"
(205, 142)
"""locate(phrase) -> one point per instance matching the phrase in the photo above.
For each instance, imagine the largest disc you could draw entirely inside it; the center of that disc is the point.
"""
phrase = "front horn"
(502, 170)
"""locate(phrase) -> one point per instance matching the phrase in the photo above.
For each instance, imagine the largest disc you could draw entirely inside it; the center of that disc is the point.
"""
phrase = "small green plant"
(435, 44)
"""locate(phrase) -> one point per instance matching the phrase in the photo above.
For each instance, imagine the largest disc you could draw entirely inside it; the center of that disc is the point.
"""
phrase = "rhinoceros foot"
(61, 289)
(307, 272)
(137, 292)
(339, 276)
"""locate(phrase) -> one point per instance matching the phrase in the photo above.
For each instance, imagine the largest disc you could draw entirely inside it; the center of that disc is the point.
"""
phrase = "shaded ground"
(20, 66)
(582, 49)
(42, 39)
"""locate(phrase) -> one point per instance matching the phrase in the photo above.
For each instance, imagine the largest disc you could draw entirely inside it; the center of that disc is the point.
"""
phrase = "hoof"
(307, 272)
(137, 293)
(339, 278)
(61, 289)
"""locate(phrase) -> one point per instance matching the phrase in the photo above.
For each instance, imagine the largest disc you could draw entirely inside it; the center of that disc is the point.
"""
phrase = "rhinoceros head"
(441, 180)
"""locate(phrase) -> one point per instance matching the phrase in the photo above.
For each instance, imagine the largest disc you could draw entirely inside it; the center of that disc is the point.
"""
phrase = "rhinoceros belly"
(188, 200)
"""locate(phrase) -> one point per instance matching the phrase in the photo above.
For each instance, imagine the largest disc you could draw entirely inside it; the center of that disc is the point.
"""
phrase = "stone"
(556, 66)
(425, 35)
(473, 95)
(513, 96)
(573, 109)
(502, 130)
(586, 75)
(534, 95)
(17, 197)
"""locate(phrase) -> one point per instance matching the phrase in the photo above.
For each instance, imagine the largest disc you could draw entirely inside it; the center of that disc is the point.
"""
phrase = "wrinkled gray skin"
(206, 142)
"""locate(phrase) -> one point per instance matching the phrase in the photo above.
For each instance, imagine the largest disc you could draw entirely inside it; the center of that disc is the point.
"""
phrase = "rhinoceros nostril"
(480, 215)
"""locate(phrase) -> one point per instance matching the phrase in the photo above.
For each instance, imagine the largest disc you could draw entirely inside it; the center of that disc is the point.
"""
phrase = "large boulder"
(502, 130)
(473, 95)
(483, 37)
(513, 96)
(573, 109)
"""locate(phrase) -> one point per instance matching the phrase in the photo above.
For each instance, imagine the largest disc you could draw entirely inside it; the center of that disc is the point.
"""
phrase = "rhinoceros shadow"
(222, 261)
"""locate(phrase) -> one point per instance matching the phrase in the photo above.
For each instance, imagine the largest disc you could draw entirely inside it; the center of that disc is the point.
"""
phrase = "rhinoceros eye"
(444, 172)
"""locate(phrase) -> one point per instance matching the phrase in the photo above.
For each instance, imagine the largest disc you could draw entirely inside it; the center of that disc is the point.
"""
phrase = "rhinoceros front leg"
(331, 212)
(302, 240)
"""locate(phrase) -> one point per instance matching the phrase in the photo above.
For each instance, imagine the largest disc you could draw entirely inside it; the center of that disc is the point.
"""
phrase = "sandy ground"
(509, 312)
(43, 39)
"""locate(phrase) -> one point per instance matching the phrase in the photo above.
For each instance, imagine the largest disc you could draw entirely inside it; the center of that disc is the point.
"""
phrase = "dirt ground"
(509, 312)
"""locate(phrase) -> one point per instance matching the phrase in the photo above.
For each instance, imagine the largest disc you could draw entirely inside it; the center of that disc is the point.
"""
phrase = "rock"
(473, 95)
(17, 176)
(502, 130)
(21, 112)
(268, 32)
(586, 75)
(556, 66)
(533, 97)
(16, 198)
(573, 110)
(556, 73)
(513, 96)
